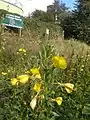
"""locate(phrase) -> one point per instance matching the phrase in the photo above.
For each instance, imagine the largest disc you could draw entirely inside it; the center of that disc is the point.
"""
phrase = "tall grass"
(15, 99)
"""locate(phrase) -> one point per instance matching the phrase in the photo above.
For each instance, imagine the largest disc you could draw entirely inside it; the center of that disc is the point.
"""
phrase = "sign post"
(13, 21)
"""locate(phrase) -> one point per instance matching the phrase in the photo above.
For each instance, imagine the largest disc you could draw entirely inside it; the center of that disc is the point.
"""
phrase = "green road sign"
(13, 21)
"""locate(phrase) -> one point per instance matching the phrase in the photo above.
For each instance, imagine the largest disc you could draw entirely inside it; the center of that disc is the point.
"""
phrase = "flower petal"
(23, 78)
(14, 81)
(55, 60)
(59, 100)
(33, 103)
(37, 87)
(69, 87)
(4, 73)
(35, 72)
(62, 63)
(59, 62)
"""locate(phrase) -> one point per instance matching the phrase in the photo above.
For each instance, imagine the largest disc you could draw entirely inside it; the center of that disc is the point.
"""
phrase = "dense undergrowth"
(15, 99)
(48, 89)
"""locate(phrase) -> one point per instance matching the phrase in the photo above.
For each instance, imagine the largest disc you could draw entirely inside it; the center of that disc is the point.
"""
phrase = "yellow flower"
(14, 81)
(59, 62)
(4, 73)
(55, 60)
(35, 72)
(37, 87)
(22, 50)
(38, 76)
(23, 78)
(59, 100)
(68, 87)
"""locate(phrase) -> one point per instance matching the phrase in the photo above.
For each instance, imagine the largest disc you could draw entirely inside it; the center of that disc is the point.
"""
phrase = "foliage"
(52, 10)
(43, 16)
(78, 23)
(37, 28)
(2, 13)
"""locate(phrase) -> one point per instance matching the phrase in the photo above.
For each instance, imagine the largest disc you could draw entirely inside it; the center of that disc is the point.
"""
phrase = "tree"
(43, 16)
(59, 11)
(77, 25)
(79, 22)
(56, 13)
(83, 16)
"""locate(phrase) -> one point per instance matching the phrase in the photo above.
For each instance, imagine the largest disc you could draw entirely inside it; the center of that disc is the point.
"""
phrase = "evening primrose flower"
(37, 87)
(4, 73)
(59, 100)
(59, 62)
(14, 81)
(68, 87)
(23, 78)
(35, 72)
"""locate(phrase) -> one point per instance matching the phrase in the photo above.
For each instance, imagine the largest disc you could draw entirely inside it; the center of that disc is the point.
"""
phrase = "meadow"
(43, 79)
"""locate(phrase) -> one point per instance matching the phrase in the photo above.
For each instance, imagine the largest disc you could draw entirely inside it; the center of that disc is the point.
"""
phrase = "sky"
(30, 5)
(69, 3)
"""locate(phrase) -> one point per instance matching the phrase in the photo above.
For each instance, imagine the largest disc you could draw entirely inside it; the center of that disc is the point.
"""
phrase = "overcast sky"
(30, 5)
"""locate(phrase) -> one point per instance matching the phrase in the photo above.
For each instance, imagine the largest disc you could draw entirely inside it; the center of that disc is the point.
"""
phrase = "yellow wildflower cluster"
(22, 50)
(68, 87)
(58, 62)
(24, 78)
(20, 79)
(4, 73)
